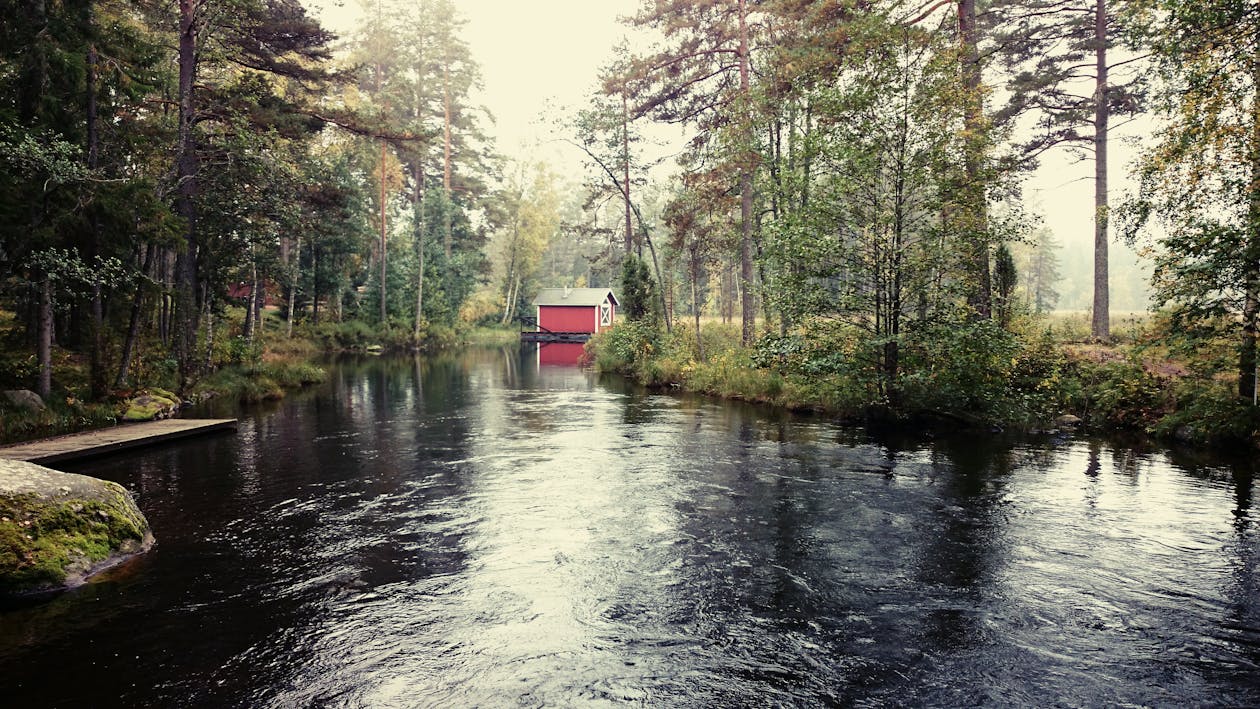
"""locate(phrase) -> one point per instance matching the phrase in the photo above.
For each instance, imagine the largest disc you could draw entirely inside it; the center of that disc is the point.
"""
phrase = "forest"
(191, 188)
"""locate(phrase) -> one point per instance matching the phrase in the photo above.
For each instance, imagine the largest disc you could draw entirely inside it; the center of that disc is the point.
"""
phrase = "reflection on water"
(484, 529)
(564, 354)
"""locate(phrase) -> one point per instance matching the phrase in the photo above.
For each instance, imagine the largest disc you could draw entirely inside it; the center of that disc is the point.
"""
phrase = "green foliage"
(627, 348)
(493, 336)
(263, 382)
(1005, 278)
(1120, 394)
(961, 367)
(62, 415)
(639, 299)
(1209, 411)
(1197, 179)
(42, 156)
(17, 369)
(349, 335)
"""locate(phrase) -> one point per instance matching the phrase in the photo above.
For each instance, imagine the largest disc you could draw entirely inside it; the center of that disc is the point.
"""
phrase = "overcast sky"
(538, 59)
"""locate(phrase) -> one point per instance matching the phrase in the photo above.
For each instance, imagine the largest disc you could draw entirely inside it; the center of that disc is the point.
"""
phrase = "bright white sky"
(540, 60)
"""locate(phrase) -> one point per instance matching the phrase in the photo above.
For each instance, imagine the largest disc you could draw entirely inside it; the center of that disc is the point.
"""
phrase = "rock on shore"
(151, 405)
(57, 529)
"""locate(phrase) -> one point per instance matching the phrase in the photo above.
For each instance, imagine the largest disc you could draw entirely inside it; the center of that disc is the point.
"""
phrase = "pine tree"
(1064, 73)
(703, 78)
(1005, 278)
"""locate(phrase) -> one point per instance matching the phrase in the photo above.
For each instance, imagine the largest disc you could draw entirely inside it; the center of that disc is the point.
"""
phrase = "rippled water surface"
(473, 530)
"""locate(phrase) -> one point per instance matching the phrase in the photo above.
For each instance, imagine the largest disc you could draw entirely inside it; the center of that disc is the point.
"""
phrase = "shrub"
(1121, 394)
(961, 367)
(62, 415)
(626, 348)
(1209, 411)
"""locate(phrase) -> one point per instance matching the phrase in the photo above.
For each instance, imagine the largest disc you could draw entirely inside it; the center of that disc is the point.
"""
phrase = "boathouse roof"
(581, 297)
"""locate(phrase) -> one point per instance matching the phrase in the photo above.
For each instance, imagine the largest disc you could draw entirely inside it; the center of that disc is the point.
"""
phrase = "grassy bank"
(971, 374)
(235, 369)
(68, 410)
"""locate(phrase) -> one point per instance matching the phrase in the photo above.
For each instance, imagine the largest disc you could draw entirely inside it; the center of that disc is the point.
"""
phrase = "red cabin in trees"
(575, 311)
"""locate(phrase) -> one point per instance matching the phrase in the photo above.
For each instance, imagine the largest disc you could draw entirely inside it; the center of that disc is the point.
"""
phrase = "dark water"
(473, 530)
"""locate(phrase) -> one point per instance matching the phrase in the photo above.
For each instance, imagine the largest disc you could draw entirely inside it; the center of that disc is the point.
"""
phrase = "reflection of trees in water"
(402, 462)
(638, 409)
(1240, 628)
(749, 581)
(964, 545)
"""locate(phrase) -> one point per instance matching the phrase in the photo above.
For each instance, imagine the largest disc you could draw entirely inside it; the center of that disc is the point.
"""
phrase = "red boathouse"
(575, 310)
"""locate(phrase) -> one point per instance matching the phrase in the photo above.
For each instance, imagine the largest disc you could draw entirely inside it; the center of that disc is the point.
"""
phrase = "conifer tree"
(702, 77)
(1065, 74)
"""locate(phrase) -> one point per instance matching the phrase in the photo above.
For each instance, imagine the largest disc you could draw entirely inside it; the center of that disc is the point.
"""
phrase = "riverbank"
(1035, 377)
(279, 366)
(275, 361)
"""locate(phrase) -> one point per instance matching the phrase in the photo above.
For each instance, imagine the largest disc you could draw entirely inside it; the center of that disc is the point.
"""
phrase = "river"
(474, 529)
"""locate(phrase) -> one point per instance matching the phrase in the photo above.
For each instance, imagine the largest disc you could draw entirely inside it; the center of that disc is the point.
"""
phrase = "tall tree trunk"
(749, 308)
(294, 272)
(164, 315)
(314, 283)
(509, 308)
(446, 157)
(660, 281)
(976, 210)
(44, 337)
(383, 245)
(96, 361)
(260, 301)
(1250, 315)
(1251, 253)
(133, 324)
(34, 62)
(417, 209)
(208, 307)
(251, 303)
(695, 302)
(625, 165)
(1102, 294)
(186, 175)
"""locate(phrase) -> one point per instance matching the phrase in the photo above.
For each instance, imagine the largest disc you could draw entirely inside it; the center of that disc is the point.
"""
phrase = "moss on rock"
(154, 404)
(57, 529)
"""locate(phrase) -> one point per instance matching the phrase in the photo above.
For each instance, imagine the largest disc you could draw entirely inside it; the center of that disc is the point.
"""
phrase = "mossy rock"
(58, 529)
(164, 394)
(153, 404)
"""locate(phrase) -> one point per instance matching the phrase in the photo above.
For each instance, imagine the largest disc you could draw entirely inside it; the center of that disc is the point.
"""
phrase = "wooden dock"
(546, 336)
(107, 440)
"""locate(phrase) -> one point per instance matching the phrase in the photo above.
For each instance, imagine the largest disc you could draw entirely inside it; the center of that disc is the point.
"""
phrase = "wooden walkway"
(547, 336)
(108, 440)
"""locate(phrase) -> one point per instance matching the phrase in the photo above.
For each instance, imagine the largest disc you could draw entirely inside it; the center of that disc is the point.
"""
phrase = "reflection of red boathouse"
(561, 353)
